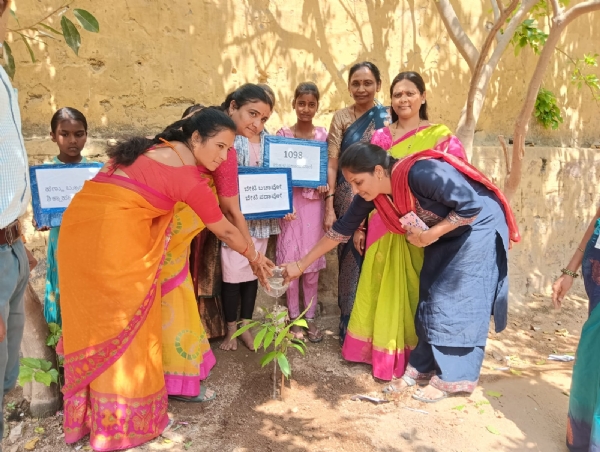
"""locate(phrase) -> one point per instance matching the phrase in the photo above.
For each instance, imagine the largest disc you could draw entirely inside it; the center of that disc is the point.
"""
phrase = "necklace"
(413, 137)
(254, 152)
(312, 133)
(354, 110)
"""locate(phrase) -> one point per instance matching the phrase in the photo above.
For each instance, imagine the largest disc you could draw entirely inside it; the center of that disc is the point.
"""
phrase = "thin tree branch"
(483, 57)
(66, 5)
(461, 40)
(509, 32)
(556, 8)
(575, 63)
(579, 9)
(505, 150)
(495, 9)
(522, 122)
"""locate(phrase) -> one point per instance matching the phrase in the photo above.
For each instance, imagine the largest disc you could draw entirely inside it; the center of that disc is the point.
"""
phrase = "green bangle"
(568, 272)
(328, 196)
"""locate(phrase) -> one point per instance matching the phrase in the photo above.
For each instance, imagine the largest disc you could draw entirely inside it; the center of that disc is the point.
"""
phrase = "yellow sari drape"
(187, 357)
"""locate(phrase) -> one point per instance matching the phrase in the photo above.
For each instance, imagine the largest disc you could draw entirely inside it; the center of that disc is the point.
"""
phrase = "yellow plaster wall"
(153, 58)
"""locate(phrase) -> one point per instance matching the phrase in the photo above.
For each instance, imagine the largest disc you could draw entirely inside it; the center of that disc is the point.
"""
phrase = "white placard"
(305, 161)
(57, 186)
(263, 193)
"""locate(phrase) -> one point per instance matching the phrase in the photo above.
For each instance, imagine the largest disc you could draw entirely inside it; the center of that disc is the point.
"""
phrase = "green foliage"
(527, 34)
(39, 370)
(580, 78)
(41, 30)
(274, 331)
(546, 110)
(54, 336)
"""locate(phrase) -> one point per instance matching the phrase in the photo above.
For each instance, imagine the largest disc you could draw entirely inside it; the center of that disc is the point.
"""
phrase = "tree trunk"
(560, 22)
(45, 400)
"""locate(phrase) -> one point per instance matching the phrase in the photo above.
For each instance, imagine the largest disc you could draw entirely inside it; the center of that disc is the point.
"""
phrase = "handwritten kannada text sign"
(53, 188)
(265, 192)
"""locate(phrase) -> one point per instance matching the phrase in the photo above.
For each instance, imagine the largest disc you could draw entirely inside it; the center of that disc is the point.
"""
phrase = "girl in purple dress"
(301, 230)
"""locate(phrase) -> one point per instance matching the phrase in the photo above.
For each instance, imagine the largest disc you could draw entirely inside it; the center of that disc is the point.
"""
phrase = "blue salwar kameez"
(464, 279)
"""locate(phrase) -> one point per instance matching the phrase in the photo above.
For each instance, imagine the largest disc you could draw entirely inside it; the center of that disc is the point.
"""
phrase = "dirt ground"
(520, 404)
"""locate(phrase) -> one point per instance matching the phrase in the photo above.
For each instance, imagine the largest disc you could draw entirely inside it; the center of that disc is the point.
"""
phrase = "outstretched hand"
(291, 271)
(262, 269)
(560, 288)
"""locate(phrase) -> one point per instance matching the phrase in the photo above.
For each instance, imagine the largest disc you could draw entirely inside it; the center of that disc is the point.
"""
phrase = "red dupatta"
(404, 200)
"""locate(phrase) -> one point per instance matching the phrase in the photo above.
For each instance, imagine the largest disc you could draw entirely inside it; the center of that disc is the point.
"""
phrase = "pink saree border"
(189, 385)
(84, 366)
(176, 280)
(114, 422)
(387, 364)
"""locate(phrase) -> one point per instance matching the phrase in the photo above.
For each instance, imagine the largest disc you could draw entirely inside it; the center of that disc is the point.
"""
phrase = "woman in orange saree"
(114, 383)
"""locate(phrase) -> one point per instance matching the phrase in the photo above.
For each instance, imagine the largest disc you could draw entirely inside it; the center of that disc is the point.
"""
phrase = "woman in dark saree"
(350, 125)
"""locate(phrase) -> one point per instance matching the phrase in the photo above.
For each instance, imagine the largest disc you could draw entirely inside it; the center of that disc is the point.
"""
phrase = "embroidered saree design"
(114, 384)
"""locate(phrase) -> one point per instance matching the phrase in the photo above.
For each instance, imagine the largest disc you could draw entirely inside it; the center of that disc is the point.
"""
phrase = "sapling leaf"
(259, 337)
(243, 329)
(284, 365)
(266, 359)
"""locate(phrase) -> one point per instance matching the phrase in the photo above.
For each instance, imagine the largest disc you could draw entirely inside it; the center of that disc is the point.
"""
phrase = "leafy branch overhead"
(42, 29)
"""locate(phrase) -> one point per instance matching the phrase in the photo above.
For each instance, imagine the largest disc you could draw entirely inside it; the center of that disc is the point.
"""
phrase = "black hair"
(67, 113)
(370, 66)
(245, 94)
(416, 78)
(364, 157)
(192, 109)
(208, 122)
(307, 88)
(269, 91)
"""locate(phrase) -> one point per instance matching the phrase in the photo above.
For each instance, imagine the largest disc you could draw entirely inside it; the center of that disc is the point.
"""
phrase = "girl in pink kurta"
(301, 230)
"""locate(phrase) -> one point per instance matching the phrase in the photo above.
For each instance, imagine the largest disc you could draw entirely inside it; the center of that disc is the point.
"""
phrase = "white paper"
(305, 161)
(263, 193)
(57, 186)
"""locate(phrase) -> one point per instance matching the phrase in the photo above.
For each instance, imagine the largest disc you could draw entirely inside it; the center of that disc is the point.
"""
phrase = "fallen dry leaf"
(30, 445)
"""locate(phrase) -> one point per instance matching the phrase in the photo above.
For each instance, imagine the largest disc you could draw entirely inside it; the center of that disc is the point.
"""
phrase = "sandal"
(298, 334)
(197, 399)
(392, 388)
(418, 395)
(314, 336)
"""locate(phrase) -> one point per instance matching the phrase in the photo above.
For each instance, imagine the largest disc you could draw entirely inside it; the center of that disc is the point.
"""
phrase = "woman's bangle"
(579, 248)
(362, 229)
(328, 196)
(299, 268)
(255, 257)
(246, 250)
(419, 238)
(566, 271)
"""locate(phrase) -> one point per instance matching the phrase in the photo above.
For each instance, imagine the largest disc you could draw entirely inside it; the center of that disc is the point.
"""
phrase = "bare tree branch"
(556, 8)
(483, 57)
(522, 123)
(496, 9)
(579, 9)
(461, 40)
(505, 150)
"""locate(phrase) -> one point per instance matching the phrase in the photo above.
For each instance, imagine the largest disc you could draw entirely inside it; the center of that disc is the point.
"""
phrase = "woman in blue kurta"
(464, 278)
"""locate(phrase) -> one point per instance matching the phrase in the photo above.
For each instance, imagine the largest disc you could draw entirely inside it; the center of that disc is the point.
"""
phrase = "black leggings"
(231, 294)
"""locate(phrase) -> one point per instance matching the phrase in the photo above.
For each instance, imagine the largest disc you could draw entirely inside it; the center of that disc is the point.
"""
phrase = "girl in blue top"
(69, 131)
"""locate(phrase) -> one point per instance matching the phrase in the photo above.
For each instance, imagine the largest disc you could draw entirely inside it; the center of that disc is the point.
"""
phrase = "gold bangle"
(255, 257)
(583, 251)
(299, 268)
(419, 238)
